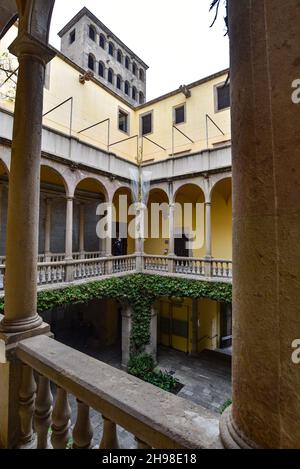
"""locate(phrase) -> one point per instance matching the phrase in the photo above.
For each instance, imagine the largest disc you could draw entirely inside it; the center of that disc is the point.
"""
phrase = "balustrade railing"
(157, 419)
(61, 271)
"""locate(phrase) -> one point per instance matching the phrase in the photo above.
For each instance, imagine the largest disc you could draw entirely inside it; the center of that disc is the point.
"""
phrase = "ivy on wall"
(140, 292)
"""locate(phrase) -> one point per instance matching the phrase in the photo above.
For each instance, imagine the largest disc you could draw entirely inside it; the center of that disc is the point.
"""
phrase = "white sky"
(172, 36)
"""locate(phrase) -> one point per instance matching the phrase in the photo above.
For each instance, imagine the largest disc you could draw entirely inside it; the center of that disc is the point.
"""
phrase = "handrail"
(155, 417)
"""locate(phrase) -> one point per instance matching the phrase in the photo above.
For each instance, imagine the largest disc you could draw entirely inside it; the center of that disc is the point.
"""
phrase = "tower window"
(102, 41)
(123, 121)
(119, 82)
(120, 56)
(127, 87)
(111, 49)
(134, 93)
(141, 98)
(179, 114)
(142, 74)
(134, 68)
(91, 62)
(222, 97)
(92, 33)
(146, 124)
(110, 76)
(101, 69)
(127, 62)
(72, 36)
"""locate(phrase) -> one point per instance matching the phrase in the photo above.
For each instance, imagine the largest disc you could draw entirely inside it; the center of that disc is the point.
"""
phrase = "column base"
(20, 325)
(231, 436)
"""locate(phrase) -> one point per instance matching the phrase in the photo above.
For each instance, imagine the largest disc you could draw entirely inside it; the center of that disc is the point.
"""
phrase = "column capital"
(70, 198)
(208, 203)
(25, 44)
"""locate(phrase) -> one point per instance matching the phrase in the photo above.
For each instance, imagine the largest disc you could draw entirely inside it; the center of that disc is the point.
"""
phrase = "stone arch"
(56, 176)
(215, 180)
(158, 222)
(96, 184)
(221, 218)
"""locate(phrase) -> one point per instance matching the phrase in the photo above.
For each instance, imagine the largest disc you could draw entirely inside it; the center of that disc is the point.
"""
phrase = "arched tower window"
(111, 49)
(101, 69)
(91, 62)
(102, 41)
(119, 82)
(110, 76)
(120, 56)
(141, 97)
(127, 88)
(142, 74)
(92, 33)
(127, 62)
(134, 93)
(134, 68)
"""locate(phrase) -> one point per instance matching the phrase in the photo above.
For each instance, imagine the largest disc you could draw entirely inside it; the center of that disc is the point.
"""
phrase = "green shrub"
(142, 366)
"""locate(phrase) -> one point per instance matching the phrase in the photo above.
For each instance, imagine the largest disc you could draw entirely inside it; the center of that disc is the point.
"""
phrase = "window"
(123, 121)
(72, 36)
(146, 124)
(120, 56)
(134, 93)
(142, 74)
(127, 87)
(134, 69)
(110, 76)
(119, 82)
(222, 97)
(91, 63)
(102, 41)
(127, 62)
(101, 69)
(141, 97)
(92, 33)
(111, 49)
(179, 114)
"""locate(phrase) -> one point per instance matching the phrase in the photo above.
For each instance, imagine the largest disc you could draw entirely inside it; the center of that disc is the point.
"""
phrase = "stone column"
(126, 333)
(69, 229)
(81, 230)
(266, 219)
(208, 248)
(48, 230)
(172, 230)
(24, 187)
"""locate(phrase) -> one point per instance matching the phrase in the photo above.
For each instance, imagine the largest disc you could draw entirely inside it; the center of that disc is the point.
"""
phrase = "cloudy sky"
(172, 36)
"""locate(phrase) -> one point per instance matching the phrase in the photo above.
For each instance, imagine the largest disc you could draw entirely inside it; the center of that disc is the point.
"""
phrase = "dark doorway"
(226, 325)
(119, 245)
(180, 246)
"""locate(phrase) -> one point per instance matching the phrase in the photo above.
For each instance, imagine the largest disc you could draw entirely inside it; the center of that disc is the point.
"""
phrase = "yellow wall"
(208, 320)
(222, 221)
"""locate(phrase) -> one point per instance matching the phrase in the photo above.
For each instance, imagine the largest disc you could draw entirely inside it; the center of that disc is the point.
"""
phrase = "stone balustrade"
(156, 418)
(58, 272)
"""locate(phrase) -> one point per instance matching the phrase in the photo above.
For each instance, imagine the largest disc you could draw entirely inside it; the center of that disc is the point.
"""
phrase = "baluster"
(109, 436)
(141, 444)
(43, 410)
(83, 430)
(26, 404)
(61, 420)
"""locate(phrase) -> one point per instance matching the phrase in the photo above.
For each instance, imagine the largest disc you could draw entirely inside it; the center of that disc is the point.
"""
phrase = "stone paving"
(206, 379)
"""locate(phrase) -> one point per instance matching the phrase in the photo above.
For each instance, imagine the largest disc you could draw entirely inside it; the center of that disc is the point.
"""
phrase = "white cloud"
(173, 37)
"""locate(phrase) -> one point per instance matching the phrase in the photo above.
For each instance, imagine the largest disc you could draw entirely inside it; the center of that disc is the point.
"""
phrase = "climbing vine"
(140, 292)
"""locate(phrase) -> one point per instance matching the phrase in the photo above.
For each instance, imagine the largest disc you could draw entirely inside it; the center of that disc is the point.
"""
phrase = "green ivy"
(138, 290)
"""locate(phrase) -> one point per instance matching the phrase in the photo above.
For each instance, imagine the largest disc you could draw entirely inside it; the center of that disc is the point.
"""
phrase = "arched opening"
(120, 56)
(127, 62)
(89, 194)
(122, 242)
(111, 49)
(91, 62)
(119, 82)
(52, 224)
(92, 33)
(189, 221)
(142, 75)
(221, 219)
(141, 97)
(101, 69)
(134, 68)
(102, 41)
(134, 93)
(157, 241)
(110, 76)
(127, 88)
